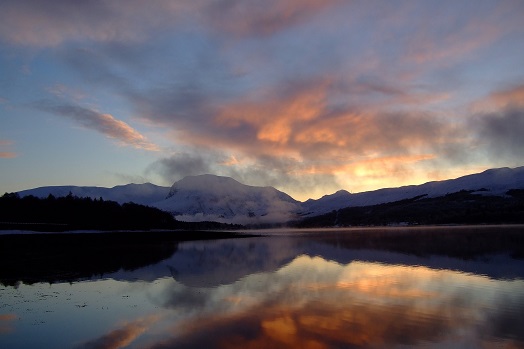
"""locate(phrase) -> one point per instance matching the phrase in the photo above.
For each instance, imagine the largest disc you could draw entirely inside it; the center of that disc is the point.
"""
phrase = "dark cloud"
(181, 165)
(280, 172)
(103, 123)
(501, 133)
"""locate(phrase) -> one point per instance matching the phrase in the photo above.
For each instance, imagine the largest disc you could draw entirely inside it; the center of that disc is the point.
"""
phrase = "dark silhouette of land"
(462, 207)
(56, 214)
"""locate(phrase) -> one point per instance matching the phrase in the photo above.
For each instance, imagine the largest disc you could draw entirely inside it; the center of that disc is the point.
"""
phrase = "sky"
(308, 96)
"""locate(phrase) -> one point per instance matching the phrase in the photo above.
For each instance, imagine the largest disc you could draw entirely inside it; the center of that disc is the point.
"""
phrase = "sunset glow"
(307, 96)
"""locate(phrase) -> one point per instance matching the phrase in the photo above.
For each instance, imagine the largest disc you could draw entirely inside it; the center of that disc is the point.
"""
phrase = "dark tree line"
(71, 212)
(456, 208)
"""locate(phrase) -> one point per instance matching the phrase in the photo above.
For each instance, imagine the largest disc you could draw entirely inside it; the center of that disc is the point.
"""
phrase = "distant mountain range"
(223, 199)
(143, 194)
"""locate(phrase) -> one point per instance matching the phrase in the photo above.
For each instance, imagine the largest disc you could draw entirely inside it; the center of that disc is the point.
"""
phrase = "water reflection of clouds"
(313, 303)
(6, 322)
(122, 336)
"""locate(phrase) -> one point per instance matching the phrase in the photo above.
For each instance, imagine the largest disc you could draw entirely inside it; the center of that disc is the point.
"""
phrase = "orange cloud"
(275, 118)
(513, 97)
(300, 122)
(103, 123)
(7, 155)
(121, 131)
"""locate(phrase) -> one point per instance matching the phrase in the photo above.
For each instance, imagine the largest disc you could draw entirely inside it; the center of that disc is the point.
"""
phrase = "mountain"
(143, 194)
(490, 182)
(223, 199)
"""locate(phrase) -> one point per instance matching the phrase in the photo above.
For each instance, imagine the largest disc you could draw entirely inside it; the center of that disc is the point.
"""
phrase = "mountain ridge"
(224, 199)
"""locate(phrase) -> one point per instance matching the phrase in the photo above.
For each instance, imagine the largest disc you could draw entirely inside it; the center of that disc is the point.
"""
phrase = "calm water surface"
(276, 292)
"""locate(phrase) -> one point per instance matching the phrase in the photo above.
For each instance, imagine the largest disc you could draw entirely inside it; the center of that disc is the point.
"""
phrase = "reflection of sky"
(308, 303)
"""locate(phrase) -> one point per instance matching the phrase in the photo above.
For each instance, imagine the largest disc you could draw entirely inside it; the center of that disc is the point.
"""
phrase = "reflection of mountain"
(139, 256)
(72, 257)
(214, 263)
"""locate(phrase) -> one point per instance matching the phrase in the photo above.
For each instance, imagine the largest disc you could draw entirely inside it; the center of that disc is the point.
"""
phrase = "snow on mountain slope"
(495, 181)
(223, 199)
(138, 193)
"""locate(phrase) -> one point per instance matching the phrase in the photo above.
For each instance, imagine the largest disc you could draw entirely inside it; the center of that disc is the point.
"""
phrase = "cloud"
(512, 97)
(301, 93)
(252, 18)
(181, 165)
(6, 154)
(500, 133)
(121, 337)
(281, 172)
(103, 123)
(299, 137)
(31, 22)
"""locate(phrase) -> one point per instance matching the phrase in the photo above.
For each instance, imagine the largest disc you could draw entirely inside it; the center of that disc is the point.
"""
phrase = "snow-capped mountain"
(490, 182)
(144, 194)
(223, 199)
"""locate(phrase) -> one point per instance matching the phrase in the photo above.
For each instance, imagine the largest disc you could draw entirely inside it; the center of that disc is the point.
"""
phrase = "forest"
(55, 214)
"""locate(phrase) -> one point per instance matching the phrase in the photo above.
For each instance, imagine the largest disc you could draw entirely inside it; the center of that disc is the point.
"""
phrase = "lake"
(441, 287)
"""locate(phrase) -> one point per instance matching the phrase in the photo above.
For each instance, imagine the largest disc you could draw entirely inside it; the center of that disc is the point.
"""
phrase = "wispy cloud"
(31, 22)
(103, 123)
(6, 154)
(251, 18)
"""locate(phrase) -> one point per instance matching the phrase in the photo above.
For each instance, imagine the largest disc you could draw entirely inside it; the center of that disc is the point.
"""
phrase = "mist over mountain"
(215, 198)
(223, 199)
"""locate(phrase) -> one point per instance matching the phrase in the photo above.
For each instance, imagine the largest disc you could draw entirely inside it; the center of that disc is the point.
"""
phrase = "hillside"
(223, 199)
(143, 194)
(463, 207)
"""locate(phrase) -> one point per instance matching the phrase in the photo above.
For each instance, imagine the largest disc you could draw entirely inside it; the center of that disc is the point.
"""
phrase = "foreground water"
(276, 291)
